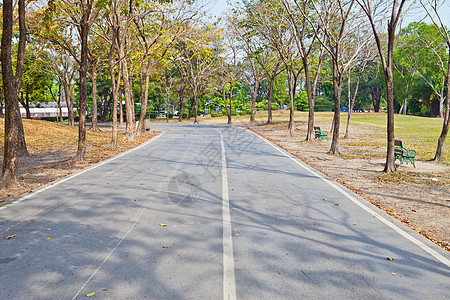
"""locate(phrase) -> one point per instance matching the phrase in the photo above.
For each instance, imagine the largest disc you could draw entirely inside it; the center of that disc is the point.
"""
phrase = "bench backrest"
(398, 144)
(317, 129)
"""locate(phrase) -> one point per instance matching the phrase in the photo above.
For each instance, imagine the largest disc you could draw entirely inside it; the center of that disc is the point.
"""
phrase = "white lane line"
(64, 179)
(370, 210)
(229, 282)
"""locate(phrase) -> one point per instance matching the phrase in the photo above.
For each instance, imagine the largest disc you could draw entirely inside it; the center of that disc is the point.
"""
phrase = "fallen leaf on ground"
(141, 183)
(10, 237)
(337, 204)
(163, 225)
(390, 258)
(355, 224)
(48, 229)
(31, 220)
(7, 205)
(166, 247)
(90, 294)
(237, 234)
(394, 274)
(324, 199)
(105, 290)
(47, 239)
(249, 167)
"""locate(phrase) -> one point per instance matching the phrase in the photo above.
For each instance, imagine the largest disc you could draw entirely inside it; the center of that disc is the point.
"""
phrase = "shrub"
(184, 115)
(170, 115)
(214, 115)
(153, 115)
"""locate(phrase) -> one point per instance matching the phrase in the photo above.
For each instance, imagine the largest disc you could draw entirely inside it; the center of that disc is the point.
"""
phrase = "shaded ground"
(418, 197)
(51, 148)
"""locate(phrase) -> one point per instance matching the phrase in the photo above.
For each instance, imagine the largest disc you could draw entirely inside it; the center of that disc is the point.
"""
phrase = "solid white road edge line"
(64, 179)
(229, 283)
(370, 210)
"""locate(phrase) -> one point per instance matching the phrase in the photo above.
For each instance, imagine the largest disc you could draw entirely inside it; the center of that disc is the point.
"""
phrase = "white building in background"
(45, 110)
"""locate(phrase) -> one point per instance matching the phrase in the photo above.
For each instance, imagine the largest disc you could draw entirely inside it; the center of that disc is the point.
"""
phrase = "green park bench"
(320, 134)
(403, 154)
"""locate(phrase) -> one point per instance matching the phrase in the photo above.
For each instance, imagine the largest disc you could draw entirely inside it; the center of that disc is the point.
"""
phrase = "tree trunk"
(376, 98)
(254, 94)
(269, 100)
(311, 99)
(181, 105)
(292, 84)
(59, 105)
(84, 30)
(144, 96)
(10, 176)
(190, 109)
(129, 131)
(114, 137)
(195, 108)
(337, 84)
(121, 109)
(68, 92)
(227, 110)
(94, 125)
(439, 156)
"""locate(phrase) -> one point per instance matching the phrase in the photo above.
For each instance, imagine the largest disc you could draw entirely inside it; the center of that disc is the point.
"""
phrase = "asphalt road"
(243, 220)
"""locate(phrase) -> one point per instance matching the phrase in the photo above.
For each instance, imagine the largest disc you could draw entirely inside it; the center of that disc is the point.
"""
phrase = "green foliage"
(214, 115)
(301, 101)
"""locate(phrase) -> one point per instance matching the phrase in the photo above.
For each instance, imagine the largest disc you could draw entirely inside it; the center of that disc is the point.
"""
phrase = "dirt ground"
(46, 165)
(418, 197)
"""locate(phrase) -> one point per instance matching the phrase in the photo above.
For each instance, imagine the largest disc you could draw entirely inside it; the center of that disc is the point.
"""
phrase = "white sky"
(218, 7)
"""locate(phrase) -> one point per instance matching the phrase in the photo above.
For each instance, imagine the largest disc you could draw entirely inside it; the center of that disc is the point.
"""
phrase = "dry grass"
(51, 147)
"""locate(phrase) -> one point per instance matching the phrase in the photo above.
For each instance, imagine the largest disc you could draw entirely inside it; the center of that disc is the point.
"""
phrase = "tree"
(14, 136)
(306, 39)
(10, 176)
(432, 9)
(343, 38)
(370, 8)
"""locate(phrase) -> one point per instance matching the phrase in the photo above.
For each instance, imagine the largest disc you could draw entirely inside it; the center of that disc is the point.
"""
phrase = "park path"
(209, 212)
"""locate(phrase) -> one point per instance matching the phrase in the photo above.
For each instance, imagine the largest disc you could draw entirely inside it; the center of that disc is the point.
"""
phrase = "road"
(210, 212)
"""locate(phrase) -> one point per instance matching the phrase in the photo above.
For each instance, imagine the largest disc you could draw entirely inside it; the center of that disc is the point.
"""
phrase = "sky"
(218, 8)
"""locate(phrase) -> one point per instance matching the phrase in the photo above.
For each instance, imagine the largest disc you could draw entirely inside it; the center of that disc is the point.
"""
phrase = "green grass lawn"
(417, 133)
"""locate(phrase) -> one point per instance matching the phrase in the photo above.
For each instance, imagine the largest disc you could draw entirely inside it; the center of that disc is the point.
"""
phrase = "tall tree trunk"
(144, 96)
(114, 137)
(254, 94)
(58, 101)
(311, 99)
(121, 109)
(84, 30)
(94, 125)
(337, 84)
(27, 105)
(439, 155)
(181, 106)
(19, 72)
(376, 98)
(10, 176)
(195, 107)
(292, 83)
(129, 131)
(190, 108)
(269, 100)
(68, 92)
(227, 110)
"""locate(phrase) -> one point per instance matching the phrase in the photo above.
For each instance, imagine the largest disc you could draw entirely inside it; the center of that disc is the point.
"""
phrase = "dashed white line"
(229, 282)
